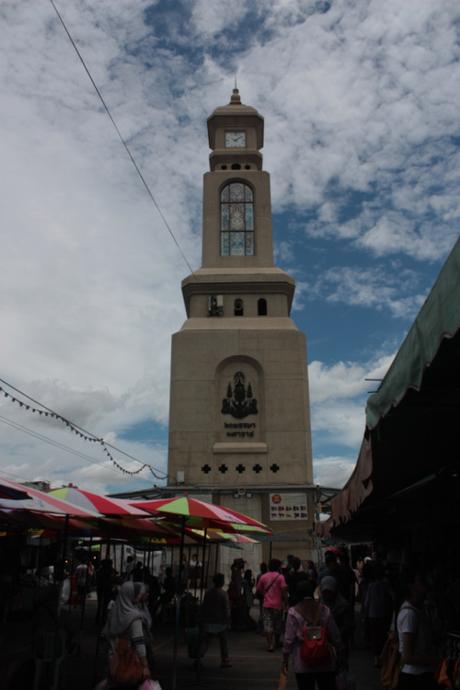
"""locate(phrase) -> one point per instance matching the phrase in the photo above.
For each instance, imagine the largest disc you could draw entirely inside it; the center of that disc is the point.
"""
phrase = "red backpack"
(315, 649)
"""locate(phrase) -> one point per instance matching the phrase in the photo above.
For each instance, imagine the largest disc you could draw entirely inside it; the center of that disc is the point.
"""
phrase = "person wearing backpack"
(313, 640)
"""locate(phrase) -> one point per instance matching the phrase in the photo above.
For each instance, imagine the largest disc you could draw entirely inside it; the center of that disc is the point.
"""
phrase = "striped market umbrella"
(40, 502)
(118, 515)
(9, 492)
(195, 513)
(217, 535)
(191, 512)
(103, 505)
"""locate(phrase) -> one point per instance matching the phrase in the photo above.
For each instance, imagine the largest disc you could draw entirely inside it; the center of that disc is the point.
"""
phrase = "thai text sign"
(288, 507)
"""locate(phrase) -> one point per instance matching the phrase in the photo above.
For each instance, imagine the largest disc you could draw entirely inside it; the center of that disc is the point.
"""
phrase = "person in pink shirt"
(274, 596)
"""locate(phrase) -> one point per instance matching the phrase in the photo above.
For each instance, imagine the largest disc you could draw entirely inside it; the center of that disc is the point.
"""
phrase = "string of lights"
(44, 411)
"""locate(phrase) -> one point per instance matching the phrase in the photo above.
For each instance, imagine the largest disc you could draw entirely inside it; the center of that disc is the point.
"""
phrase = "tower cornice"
(235, 114)
(238, 281)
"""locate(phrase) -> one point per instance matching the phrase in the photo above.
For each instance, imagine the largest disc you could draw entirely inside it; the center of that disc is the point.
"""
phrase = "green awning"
(438, 318)
(419, 438)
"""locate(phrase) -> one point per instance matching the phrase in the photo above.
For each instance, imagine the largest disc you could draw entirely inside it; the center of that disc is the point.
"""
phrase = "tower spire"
(235, 98)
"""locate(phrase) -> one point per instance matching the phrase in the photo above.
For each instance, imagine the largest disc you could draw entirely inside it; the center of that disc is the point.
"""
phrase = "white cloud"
(365, 103)
(369, 287)
(338, 399)
(361, 97)
(332, 471)
(209, 18)
(343, 379)
(339, 422)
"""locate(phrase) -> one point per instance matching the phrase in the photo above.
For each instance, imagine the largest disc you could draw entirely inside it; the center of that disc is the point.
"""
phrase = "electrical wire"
(156, 472)
(53, 442)
(125, 145)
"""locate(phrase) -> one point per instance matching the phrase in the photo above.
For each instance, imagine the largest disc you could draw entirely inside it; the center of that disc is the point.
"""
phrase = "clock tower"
(239, 428)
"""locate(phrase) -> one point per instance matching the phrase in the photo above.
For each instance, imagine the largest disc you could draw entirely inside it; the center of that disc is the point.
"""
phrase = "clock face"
(235, 139)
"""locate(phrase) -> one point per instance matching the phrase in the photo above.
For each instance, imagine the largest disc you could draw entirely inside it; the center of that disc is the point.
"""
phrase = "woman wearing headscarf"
(129, 617)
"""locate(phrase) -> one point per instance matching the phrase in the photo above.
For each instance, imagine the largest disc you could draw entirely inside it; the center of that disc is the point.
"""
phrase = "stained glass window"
(225, 210)
(225, 244)
(247, 193)
(237, 191)
(237, 220)
(249, 243)
(249, 217)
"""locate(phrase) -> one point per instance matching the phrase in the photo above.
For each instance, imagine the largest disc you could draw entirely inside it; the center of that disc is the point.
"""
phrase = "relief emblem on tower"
(239, 401)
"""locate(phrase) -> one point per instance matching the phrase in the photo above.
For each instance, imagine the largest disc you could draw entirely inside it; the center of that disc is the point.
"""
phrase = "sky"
(362, 140)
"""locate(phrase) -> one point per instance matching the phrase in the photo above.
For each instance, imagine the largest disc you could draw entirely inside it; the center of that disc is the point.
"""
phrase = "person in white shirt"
(415, 636)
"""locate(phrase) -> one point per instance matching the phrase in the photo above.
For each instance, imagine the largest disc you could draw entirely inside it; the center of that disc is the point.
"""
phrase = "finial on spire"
(235, 98)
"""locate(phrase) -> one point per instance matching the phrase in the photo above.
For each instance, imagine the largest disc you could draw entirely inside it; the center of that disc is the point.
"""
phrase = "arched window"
(236, 220)
(262, 307)
(239, 307)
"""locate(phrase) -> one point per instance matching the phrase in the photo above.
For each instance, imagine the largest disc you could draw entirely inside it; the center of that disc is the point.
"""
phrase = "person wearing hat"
(341, 610)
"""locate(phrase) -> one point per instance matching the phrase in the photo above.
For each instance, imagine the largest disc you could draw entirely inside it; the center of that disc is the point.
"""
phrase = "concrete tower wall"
(239, 424)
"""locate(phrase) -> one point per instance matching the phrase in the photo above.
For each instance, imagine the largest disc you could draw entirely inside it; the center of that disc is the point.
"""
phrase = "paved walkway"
(254, 668)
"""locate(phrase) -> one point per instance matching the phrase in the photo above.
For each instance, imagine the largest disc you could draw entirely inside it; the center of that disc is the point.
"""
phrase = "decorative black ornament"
(240, 468)
(257, 468)
(223, 468)
(240, 402)
(275, 468)
(206, 469)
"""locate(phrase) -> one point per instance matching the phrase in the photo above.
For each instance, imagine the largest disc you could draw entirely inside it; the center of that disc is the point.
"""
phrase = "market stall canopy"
(9, 492)
(438, 318)
(218, 536)
(412, 419)
(40, 502)
(104, 505)
(53, 522)
(195, 513)
(120, 519)
(83, 513)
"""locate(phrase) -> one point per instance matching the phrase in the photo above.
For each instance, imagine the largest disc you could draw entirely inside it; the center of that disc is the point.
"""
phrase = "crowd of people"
(296, 605)
(296, 600)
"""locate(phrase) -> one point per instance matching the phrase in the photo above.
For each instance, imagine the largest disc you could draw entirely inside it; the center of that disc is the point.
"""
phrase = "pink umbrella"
(105, 505)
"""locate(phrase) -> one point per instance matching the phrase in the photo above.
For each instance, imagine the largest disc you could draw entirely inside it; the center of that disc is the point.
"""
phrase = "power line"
(125, 145)
(80, 431)
(53, 442)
